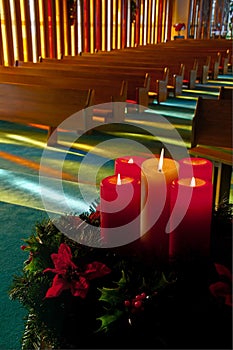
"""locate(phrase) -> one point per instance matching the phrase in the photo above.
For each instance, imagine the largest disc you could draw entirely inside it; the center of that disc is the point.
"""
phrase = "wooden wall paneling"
(149, 22)
(59, 48)
(98, 25)
(37, 24)
(92, 25)
(86, 25)
(14, 30)
(137, 23)
(28, 31)
(124, 24)
(165, 20)
(159, 21)
(152, 29)
(79, 27)
(42, 38)
(1, 42)
(46, 28)
(103, 26)
(119, 21)
(9, 36)
(145, 23)
(169, 22)
(113, 24)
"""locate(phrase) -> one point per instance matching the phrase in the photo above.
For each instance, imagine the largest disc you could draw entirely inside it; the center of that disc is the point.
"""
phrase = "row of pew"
(79, 93)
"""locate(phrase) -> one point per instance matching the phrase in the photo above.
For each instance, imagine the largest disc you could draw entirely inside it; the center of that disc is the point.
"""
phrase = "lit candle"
(157, 177)
(198, 167)
(119, 210)
(190, 236)
(129, 166)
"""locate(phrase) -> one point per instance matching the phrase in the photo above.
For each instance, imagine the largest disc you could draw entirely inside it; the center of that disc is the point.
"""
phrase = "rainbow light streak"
(19, 182)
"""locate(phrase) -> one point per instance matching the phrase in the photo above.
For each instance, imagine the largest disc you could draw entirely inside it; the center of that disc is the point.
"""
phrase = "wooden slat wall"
(97, 25)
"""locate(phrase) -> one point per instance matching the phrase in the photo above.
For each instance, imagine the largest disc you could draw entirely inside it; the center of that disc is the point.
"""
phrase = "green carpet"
(21, 205)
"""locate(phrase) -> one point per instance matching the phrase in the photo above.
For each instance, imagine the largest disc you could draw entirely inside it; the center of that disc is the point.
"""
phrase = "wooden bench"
(225, 93)
(212, 139)
(135, 77)
(30, 104)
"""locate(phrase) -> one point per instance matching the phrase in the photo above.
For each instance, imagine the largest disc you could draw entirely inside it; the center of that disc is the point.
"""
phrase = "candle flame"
(193, 182)
(130, 161)
(119, 179)
(160, 165)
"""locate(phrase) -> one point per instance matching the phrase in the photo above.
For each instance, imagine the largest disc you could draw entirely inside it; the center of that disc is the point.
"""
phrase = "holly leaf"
(108, 320)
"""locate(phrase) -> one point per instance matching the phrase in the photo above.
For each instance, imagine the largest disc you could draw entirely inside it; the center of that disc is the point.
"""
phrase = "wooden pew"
(135, 77)
(225, 93)
(212, 139)
(30, 104)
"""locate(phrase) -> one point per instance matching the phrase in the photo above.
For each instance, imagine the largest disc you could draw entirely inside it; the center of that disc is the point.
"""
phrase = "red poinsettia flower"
(222, 289)
(179, 26)
(70, 276)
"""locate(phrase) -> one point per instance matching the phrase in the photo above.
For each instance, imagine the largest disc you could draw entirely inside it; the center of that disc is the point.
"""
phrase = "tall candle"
(197, 167)
(129, 166)
(190, 239)
(155, 205)
(120, 210)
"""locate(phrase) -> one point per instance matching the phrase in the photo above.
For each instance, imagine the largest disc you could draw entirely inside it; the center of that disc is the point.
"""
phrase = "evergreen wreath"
(82, 297)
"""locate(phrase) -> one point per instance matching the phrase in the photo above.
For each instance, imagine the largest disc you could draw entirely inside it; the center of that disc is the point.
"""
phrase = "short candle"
(197, 167)
(190, 240)
(119, 206)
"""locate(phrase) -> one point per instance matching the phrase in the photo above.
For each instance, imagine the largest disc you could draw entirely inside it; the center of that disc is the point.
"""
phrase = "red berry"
(143, 295)
(138, 297)
(138, 304)
(127, 303)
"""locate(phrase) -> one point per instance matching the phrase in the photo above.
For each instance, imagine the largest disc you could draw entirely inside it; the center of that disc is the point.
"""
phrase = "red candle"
(120, 210)
(129, 166)
(196, 167)
(190, 230)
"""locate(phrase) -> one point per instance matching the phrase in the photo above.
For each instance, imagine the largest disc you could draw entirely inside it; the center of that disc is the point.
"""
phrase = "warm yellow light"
(33, 30)
(14, 30)
(41, 17)
(153, 22)
(92, 32)
(109, 26)
(141, 24)
(145, 22)
(4, 37)
(114, 14)
(24, 31)
(119, 25)
(103, 44)
(79, 24)
(65, 27)
(58, 29)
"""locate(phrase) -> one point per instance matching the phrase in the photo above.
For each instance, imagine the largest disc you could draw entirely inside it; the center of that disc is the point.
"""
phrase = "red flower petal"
(96, 270)
(223, 271)
(80, 288)
(59, 284)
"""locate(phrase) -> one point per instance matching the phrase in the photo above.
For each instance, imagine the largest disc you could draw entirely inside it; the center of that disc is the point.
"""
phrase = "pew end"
(212, 139)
